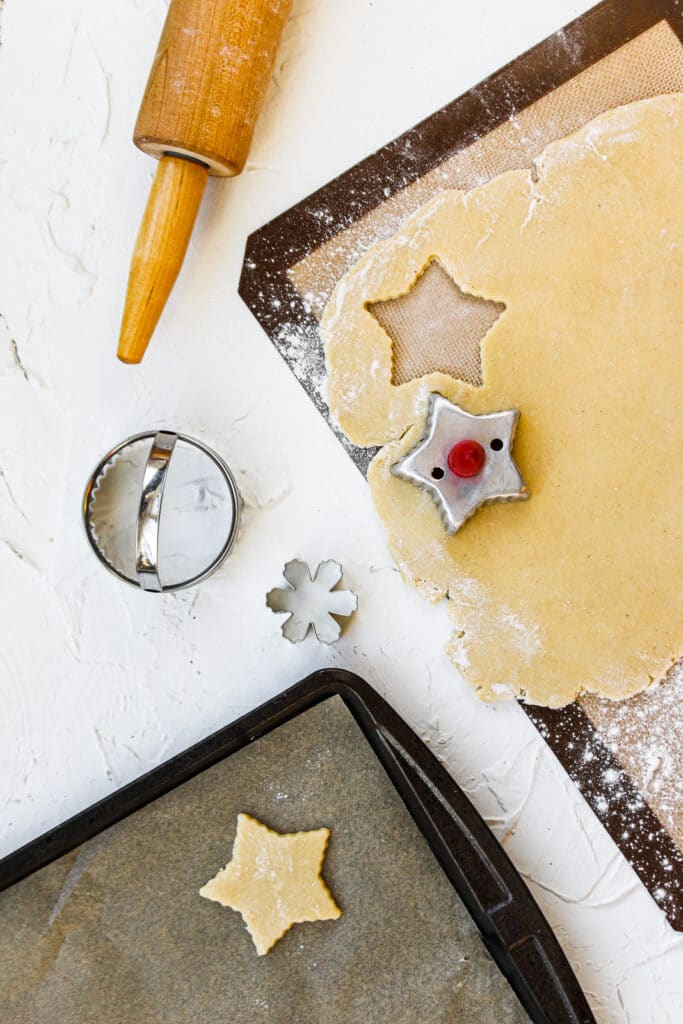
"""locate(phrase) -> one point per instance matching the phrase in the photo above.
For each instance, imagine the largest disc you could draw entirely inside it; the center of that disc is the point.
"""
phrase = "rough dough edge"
(398, 411)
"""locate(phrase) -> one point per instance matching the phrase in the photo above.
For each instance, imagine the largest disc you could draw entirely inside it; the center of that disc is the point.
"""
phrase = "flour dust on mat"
(577, 589)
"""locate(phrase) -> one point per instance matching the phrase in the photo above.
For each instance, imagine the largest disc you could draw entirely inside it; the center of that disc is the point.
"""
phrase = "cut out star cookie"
(273, 881)
(464, 461)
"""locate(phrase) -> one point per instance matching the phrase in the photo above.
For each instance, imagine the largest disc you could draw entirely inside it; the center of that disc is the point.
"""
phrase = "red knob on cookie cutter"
(466, 458)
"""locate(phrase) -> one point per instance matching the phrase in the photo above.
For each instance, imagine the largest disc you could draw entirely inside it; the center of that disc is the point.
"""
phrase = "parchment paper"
(116, 933)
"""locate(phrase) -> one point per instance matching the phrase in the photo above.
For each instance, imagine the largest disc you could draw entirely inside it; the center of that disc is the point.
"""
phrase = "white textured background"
(99, 683)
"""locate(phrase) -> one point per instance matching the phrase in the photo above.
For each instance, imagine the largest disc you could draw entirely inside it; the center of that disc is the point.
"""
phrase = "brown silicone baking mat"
(627, 758)
(115, 931)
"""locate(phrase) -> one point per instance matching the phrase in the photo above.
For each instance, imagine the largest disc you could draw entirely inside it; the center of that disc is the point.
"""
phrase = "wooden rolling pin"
(198, 114)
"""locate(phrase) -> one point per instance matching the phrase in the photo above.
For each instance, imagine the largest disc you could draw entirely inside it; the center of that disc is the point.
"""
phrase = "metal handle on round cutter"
(149, 511)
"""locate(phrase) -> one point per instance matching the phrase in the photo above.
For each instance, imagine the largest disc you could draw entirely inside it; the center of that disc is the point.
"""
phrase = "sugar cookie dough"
(578, 588)
(274, 881)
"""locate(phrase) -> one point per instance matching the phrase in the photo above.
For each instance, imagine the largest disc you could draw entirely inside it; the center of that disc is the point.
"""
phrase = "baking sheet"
(116, 932)
(627, 758)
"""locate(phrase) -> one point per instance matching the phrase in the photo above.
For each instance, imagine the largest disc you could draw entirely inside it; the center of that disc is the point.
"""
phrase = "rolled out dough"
(580, 588)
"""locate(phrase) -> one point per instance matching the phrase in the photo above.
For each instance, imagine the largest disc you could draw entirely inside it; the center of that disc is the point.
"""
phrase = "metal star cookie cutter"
(464, 461)
(312, 601)
(100, 530)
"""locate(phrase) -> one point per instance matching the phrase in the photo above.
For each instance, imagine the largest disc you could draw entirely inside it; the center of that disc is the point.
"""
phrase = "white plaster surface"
(99, 683)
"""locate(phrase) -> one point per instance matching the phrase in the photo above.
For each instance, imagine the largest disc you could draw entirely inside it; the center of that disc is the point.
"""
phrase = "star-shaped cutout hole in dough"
(464, 461)
(273, 881)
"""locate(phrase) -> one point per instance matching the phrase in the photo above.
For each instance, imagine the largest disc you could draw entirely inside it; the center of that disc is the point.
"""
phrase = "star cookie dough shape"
(273, 881)
(464, 461)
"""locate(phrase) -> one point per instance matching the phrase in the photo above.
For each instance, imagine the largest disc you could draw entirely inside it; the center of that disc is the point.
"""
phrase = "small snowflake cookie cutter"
(310, 600)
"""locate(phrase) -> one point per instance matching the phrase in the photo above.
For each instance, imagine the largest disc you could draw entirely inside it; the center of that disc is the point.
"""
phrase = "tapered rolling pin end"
(203, 97)
(160, 249)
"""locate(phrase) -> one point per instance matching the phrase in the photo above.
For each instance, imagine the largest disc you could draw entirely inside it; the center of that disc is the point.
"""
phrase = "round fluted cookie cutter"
(163, 443)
